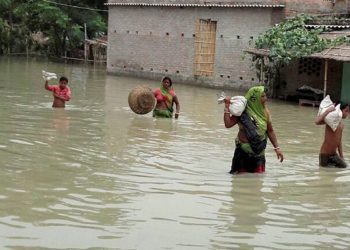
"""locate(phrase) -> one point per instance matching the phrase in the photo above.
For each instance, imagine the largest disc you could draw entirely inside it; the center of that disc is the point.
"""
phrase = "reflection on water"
(96, 175)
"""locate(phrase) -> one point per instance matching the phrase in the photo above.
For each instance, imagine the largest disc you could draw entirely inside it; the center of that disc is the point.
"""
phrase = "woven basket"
(141, 100)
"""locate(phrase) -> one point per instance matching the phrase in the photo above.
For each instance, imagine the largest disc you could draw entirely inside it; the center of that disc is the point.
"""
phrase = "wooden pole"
(325, 78)
(85, 41)
(262, 69)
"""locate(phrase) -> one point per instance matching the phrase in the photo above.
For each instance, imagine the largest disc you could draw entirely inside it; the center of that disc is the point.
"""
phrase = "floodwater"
(97, 176)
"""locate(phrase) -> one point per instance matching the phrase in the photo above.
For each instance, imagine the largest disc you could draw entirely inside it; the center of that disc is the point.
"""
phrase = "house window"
(309, 66)
(204, 56)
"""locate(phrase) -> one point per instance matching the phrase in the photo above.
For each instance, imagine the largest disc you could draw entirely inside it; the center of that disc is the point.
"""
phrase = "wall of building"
(315, 7)
(156, 41)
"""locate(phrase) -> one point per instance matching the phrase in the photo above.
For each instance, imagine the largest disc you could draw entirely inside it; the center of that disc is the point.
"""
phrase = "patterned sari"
(166, 96)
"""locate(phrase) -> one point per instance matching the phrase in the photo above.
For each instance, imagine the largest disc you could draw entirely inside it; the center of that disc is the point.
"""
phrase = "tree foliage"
(61, 23)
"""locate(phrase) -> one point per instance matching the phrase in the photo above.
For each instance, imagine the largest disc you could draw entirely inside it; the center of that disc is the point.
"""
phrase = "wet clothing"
(256, 142)
(244, 162)
(331, 161)
(167, 96)
(64, 93)
(250, 156)
(165, 113)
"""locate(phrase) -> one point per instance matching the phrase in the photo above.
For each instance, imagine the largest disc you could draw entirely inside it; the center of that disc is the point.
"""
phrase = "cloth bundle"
(48, 76)
(237, 106)
(333, 118)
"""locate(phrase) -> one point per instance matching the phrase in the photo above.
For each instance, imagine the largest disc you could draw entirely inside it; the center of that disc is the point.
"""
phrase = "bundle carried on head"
(141, 100)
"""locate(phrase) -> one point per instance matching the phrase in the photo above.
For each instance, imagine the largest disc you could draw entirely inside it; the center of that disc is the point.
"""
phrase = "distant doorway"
(204, 56)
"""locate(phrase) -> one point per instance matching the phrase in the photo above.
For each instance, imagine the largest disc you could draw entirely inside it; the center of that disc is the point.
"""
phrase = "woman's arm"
(177, 103)
(229, 120)
(273, 139)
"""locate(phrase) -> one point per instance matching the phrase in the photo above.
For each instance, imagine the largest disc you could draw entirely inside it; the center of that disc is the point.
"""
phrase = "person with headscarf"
(254, 128)
(166, 97)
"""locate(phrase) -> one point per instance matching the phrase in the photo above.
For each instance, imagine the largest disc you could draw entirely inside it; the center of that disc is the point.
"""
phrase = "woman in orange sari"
(166, 97)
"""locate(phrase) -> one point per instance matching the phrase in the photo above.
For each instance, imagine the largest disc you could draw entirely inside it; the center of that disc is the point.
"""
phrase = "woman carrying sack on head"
(166, 97)
(254, 128)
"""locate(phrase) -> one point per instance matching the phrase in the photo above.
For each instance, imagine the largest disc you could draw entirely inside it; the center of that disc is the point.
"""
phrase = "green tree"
(62, 22)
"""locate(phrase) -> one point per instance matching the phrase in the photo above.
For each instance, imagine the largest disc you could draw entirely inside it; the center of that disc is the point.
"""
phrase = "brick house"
(193, 41)
(196, 41)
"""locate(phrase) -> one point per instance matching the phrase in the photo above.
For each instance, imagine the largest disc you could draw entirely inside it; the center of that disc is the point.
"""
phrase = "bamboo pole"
(325, 78)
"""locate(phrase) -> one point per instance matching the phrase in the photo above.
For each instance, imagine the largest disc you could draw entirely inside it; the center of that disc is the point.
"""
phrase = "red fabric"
(160, 97)
(258, 169)
(64, 93)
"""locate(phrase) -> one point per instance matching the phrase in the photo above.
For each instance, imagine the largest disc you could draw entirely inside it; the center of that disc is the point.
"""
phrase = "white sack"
(48, 76)
(333, 118)
(238, 104)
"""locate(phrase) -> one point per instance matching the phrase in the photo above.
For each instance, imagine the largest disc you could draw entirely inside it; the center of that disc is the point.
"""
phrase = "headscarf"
(256, 109)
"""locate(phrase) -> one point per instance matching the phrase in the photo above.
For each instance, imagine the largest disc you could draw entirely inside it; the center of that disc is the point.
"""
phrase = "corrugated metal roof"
(328, 26)
(216, 5)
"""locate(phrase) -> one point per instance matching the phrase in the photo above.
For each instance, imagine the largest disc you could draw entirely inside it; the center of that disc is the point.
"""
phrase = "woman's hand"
(279, 154)
(227, 101)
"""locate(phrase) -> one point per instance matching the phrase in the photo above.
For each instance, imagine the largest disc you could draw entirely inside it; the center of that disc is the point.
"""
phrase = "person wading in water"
(255, 127)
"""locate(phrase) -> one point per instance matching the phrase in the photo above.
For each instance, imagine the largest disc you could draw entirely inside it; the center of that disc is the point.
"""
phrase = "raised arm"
(320, 119)
(47, 85)
(229, 120)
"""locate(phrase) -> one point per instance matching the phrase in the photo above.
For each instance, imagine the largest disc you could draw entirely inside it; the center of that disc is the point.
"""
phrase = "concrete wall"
(315, 7)
(155, 41)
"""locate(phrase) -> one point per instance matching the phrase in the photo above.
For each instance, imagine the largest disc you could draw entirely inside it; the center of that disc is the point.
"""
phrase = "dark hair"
(343, 105)
(167, 78)
(63, 78)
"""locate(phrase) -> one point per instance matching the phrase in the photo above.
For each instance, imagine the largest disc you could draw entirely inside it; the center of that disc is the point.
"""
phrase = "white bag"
(325, 104)
(238, 104)
(333, 118)
(48, 76)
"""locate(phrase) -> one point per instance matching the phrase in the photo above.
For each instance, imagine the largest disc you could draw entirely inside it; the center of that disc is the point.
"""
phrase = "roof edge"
(198, 5)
